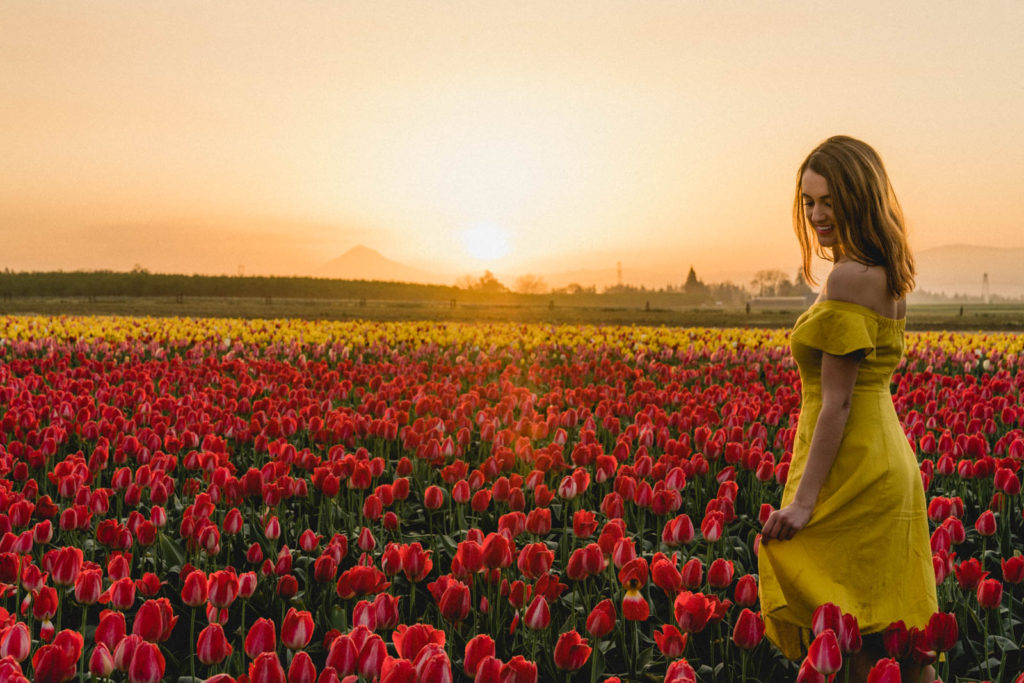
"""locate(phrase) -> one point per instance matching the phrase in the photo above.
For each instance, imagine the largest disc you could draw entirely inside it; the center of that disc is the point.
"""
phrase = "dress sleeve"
(837, 331)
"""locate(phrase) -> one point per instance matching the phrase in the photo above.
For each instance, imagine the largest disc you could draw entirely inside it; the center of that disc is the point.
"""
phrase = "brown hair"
(868, 220)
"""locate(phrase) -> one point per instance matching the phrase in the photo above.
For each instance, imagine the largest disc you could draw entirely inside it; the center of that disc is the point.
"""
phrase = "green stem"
(192, 642)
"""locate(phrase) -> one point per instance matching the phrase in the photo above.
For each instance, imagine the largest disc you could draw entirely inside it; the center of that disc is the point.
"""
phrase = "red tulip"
(896, 640)
(824, 654)
(477, 649)
(416, 562)
(745, 593)
(692, 573)
(920, 650)
(266, 668)
(678, 531)
(232, 522)
(154, 620)
(488, 669)
(712, 525)
(147, 664)
(101, 662)
(623, 552)
(297, 629)
(272, 530)
(16, 642)
(885, 671)
(461, 492)
(196, 589)
(969, 574)
(808, 674)
(89, 586)
(397, 670)
(671, 641)
(827, 616)
(497, 552)
(247, 582)
(254, 555)
(454, 602)
(325, 569)
(111, 629)
(720, 573)
(601, 620)
(584, 523)
(44, 603)
(519, 670)
(213, 647)
(571, 651)
(343, 656)
(986, 523)
(849, 638)
(680, 671)
(66, 566)
(749, 629)
(1013, 569)
(371, 657)
(432, 665)
(361, 580)
(302, 669)
(51, 663)
(538, 522)
(692, 611)
(433, 497)
(990, 593)
(223, 587)
(409, 640)
(538, 615)
(365, 540)
(262, 637)
(941, 631)
(666, 577)
(535, 559)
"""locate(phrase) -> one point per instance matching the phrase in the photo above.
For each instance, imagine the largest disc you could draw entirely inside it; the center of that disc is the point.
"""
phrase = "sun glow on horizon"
(485, 242)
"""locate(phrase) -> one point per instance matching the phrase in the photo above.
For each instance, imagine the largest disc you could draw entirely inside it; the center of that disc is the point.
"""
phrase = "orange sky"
(198, 137)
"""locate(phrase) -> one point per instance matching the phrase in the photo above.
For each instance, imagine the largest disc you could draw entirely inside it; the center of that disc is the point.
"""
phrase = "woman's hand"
(783, 524)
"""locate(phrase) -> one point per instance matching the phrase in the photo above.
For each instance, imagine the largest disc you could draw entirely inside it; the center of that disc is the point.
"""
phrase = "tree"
(530, 284)
(800, 286)
(770, 283)
(694, 288)
(489, 284)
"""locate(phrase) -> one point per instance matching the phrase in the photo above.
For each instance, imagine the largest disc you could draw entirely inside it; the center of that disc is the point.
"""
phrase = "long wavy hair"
(868, 219)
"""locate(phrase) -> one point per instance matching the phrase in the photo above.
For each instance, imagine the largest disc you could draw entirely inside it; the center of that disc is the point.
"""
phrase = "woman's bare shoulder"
(863, 285)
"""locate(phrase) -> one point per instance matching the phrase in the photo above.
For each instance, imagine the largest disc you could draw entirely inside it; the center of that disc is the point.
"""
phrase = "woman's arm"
(838, 375)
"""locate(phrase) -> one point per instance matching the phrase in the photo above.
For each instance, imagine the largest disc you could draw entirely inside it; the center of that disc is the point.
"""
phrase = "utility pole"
(618, 266)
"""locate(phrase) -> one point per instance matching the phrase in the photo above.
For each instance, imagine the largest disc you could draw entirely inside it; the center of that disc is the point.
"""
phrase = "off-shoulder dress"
(866, 546)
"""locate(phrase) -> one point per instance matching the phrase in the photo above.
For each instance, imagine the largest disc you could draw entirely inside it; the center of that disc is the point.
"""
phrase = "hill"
(363, 263)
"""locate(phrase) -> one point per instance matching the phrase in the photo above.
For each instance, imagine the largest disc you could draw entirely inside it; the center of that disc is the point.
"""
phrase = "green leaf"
(1005, 644)
(171, 553)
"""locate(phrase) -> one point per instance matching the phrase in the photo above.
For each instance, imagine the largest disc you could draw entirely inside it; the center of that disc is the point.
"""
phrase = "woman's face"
(818, 207)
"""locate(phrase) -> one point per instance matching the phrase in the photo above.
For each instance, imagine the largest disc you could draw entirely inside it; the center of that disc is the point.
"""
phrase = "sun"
(485, 242)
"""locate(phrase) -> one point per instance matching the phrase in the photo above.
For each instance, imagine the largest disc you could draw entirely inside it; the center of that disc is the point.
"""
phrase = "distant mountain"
(363, 263)
(960, 268)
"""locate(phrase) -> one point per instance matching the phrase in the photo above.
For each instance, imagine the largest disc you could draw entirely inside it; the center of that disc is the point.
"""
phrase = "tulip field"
(279, 500)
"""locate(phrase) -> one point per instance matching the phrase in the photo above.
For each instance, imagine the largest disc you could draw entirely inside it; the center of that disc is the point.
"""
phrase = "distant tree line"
(139, 282)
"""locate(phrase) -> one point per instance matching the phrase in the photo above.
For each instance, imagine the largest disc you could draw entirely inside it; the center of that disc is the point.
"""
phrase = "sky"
(521, 137)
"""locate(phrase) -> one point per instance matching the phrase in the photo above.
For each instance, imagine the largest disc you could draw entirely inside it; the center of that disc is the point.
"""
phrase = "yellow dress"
(866, 547)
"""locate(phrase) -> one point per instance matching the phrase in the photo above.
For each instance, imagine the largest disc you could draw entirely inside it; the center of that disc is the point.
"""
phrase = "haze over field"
(529, 137)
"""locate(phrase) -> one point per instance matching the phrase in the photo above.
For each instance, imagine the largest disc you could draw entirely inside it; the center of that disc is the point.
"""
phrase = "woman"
(852, 529)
